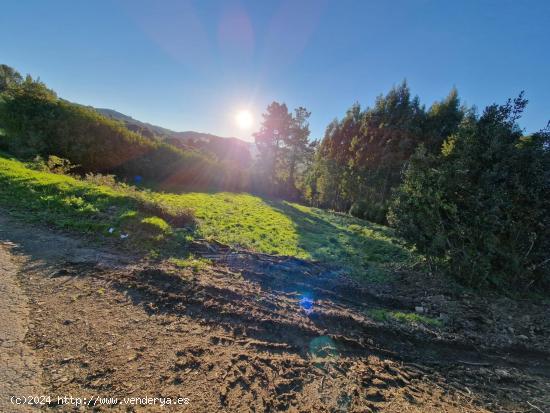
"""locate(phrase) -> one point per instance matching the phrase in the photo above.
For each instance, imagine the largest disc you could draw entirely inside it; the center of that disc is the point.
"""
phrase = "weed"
(193, 263)
(381, 315)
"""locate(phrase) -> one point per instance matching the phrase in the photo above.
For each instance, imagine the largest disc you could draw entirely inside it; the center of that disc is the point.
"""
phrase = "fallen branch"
(534, 407)
(471, 363)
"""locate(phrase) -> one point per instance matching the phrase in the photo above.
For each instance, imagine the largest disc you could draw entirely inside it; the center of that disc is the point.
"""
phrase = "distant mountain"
(223, 149)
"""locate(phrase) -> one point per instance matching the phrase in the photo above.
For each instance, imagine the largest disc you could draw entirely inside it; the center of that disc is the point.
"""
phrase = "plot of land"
(234, 315)
(270, 226)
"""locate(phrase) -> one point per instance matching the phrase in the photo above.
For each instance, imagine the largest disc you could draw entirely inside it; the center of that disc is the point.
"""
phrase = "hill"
(223, 148)
(36, 122)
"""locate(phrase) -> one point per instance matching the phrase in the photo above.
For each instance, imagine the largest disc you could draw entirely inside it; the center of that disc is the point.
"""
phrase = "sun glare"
(244, 119)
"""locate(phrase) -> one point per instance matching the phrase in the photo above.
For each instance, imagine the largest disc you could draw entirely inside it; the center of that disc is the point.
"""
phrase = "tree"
(270, 139)
(442, 120)
(9, 77)
(480, 207)
(368, 150)
(26, 115)
(297, 148)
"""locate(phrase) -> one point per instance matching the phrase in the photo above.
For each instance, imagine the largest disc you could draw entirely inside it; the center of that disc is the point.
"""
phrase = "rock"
(523, 337)
(419, 309)
(503, 373)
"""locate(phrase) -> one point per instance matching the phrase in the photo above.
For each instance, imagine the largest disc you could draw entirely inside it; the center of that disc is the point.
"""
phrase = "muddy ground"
(255, 333)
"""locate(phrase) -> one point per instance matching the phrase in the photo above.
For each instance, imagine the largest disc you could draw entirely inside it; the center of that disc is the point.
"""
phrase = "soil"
(253, 333)
(19, 368)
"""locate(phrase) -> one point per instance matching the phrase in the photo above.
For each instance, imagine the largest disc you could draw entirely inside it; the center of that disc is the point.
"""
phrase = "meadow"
(241, 220)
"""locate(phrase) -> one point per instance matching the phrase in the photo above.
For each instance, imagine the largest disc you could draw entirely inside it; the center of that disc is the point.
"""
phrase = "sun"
(244, 119)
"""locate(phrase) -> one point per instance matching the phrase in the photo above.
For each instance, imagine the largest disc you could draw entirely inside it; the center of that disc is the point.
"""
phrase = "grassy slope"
(56, 200)
(270, 226)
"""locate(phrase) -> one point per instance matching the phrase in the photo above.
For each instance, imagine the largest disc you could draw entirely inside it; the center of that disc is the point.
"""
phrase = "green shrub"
(480, 209)
(381, 315)
(139, 229)
(101, 179)
(371, 211)
(53, 164)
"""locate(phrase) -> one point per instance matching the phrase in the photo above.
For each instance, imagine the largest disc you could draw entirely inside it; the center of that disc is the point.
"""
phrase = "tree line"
(360, 159)
(471, 192)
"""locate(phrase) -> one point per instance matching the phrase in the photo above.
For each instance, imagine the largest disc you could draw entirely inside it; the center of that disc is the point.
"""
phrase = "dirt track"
(251, 333)
(19, 369)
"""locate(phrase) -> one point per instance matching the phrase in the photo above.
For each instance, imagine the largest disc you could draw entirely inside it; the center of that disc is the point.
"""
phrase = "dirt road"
(251, 333)
(19, 368)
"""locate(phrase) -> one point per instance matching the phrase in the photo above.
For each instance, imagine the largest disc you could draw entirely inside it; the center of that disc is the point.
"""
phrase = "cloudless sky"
(192, 65)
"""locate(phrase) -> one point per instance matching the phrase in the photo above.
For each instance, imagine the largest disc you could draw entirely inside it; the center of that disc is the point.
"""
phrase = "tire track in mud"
(277, 323)
(279, 319)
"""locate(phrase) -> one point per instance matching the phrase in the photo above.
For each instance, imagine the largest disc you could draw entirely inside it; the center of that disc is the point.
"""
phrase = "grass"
(285, 228)
(57, 200)
(68, 203)
(242, 220)
(193, 263)
(379, 314)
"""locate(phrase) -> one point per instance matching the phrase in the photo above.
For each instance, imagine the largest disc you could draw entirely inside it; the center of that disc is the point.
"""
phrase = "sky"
(194, 65)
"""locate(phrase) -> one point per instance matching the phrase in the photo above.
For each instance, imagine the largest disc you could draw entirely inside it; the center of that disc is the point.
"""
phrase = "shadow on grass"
(361, 248)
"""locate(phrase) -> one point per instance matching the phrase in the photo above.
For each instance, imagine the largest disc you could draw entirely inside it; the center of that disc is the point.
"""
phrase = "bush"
(143, 231)
(371, 211)
(54, 164)
(59, 165)
(100, 179)
(480, 209)
(155, 226)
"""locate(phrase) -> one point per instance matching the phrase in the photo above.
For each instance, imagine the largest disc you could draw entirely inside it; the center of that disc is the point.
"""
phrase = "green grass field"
(241, 220)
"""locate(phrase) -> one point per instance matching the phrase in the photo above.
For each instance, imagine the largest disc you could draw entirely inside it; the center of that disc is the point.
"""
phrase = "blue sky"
(193, 65)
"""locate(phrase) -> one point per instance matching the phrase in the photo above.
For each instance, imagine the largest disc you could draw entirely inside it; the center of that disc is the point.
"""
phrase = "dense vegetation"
(361, 157)
(228, 150)
(480, 206)
(470, 192)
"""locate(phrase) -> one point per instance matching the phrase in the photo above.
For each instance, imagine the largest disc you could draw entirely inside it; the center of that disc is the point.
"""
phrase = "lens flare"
(244, 119)
(306, 304)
